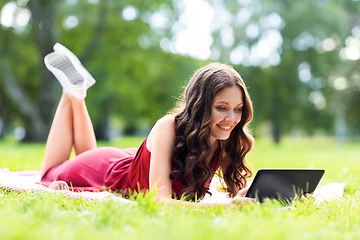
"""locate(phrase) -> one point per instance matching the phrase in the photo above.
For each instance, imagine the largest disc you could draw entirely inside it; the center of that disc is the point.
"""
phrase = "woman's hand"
(240, 197)
(306, 198)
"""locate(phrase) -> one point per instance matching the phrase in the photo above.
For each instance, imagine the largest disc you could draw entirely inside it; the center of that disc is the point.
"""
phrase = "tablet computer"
(284, 184)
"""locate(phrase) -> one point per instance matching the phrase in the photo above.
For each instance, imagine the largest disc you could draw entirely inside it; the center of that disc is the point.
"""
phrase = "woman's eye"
(238, 109)
(220, 108)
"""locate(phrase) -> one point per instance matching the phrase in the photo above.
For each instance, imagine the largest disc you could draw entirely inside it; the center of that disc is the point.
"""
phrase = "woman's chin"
(223, 138)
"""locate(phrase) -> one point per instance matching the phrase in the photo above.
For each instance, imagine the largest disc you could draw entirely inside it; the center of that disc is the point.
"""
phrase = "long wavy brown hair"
(192, 118)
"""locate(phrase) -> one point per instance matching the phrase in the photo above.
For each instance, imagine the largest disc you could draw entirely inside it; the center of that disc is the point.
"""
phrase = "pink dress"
(110, 168)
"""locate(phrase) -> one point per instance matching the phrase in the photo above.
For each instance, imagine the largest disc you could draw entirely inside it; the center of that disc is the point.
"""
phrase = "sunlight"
(304, 72)
(14, 16)
(275, 21)
(130, 13)
(195, 37)
(242, 16)
(71, 2)
(317, 98)
(252, 30)
(355, 82)
(158, 20)
(227, 36)
(340, 83)
(93, 1)
(239, 53)
(215, 54)
(7, 18)
(303, 42)
(71, 21)
(328, 44)
(165, 44)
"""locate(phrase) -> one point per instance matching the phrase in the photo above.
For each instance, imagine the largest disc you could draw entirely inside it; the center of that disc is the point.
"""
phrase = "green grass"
(48, 216)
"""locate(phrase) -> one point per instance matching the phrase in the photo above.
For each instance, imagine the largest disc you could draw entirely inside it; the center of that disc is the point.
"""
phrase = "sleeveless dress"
(111, 168)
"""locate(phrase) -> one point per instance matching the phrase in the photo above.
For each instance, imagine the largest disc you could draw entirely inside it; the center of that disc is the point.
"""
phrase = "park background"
(299, 59)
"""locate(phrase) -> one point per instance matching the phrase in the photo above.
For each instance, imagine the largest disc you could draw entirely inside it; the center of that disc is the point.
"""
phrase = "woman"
(179, 157)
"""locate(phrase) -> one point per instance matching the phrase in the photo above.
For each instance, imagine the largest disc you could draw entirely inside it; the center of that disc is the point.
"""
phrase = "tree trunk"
(276, 132)
(44, 14)
(44, 31)
(340, 124)
(276, 115)
(37, 115)
(20, 98)
(3, 115)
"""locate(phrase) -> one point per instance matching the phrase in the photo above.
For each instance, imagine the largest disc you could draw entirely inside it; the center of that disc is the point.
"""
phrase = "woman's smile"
(225, 127)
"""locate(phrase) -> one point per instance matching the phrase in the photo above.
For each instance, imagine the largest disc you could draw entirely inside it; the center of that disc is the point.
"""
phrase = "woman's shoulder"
(167, 120)
(166, 123)
(163, 129)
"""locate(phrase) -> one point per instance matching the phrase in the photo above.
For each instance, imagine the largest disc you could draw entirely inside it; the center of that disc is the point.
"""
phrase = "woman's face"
(226, 112)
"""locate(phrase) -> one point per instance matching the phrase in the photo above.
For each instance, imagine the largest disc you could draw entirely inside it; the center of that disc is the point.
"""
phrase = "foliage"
(136, 79)
(311, 43)
(307, 81)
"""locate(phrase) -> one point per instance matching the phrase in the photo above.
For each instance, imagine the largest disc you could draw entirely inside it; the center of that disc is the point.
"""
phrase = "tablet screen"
(284, 184)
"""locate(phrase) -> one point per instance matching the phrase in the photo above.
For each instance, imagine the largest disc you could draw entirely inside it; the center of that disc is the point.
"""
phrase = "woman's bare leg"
(60, 140)
(83, 131)
(71, 127)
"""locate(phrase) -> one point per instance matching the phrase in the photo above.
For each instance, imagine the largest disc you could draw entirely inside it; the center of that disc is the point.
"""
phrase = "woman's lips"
(225, 127)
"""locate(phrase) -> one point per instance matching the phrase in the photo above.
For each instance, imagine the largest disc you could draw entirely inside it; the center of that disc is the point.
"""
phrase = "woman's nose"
(230, 117)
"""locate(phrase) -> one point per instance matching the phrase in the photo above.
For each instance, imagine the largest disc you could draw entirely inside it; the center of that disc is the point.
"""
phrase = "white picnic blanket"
(29, 181)
(328, 192)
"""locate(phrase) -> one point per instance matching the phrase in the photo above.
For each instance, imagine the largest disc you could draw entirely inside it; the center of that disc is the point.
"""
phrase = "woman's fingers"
(243, 200)
(306, 197)
(240, 197)
(242, 192)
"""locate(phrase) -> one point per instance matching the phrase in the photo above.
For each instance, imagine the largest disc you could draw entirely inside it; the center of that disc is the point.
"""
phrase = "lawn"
(47, 216)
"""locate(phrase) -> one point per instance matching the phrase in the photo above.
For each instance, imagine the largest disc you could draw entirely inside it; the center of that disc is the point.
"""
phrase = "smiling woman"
(214, 114)
(181, 153)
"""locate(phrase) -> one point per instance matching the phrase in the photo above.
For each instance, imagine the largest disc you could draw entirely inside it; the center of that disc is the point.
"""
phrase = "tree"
(287, 51)
(29, 89)
(113, 39)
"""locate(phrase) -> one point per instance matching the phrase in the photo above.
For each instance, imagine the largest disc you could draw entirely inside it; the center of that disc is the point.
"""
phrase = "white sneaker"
(76, 63)
(63, 69)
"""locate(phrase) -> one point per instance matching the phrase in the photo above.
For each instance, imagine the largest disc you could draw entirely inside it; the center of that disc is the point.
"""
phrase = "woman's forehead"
(231, 95)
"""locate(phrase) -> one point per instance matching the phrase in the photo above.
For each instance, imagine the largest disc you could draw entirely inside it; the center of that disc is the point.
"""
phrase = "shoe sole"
(63, 69)
(77, 64)
(64, 64)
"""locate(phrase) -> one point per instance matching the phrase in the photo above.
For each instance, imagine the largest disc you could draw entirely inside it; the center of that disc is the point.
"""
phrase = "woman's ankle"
(72, 98)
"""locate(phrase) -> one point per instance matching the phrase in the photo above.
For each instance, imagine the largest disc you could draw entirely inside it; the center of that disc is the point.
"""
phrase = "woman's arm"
(160, 143)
